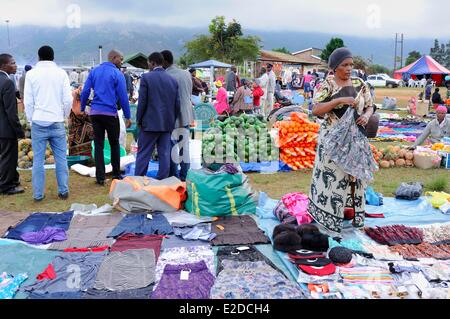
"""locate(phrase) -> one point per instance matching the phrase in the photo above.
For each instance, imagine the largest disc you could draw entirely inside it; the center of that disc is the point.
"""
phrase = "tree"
(225, 42)
(413, 57)
(335, 43)
(441, 53)
(360, 63)
(377, 69)
(282, 50)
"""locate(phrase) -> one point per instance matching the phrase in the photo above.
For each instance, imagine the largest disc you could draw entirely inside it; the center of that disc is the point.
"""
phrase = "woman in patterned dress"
(332, 188)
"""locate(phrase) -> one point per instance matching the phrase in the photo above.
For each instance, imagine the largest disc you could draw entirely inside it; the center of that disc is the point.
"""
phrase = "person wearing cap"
(331, 187)
(437, 129)
(221, 103)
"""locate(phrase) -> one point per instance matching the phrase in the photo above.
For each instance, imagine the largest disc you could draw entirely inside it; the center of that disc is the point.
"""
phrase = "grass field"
(83, 189)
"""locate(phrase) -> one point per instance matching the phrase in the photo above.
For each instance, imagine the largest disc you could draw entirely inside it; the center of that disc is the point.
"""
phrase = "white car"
(383, 80)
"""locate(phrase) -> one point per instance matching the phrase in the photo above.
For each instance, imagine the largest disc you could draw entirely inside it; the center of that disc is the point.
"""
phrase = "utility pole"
(7, 30)
(100, 53)
(397, 42)
(401, 54)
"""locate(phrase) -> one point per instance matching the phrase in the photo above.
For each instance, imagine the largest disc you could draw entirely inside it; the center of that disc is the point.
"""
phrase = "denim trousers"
(181, 155)
(55, 135)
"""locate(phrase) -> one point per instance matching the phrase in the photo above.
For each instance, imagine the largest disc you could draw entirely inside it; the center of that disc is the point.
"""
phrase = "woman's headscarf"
(338, 56)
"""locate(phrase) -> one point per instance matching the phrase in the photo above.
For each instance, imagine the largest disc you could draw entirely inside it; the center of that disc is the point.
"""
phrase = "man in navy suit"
(158, 109)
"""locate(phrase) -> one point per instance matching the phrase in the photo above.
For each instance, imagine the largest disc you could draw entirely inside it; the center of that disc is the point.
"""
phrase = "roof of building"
(272, 56)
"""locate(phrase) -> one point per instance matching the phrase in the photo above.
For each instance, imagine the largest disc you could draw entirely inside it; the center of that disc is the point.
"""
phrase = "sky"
(367, 18)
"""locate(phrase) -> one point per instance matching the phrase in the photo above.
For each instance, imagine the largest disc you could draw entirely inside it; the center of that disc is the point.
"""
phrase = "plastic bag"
(348, 147)
(372, 198)
(438, 199)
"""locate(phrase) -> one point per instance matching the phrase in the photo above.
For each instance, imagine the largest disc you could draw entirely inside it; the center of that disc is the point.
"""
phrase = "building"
(281, 61)
(312, 56)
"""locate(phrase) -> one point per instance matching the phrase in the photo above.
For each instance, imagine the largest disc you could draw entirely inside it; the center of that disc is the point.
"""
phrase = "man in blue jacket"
(158, 109)
(110, 92)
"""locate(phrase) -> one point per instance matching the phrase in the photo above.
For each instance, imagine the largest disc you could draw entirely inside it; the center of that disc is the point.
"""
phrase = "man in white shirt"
(270, 89)
(48, 101)
(74, 77)
(83, 76)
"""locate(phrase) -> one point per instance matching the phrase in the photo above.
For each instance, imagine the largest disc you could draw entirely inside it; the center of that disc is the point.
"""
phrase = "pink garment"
(221, 103)
(308, 78)
(297, 204)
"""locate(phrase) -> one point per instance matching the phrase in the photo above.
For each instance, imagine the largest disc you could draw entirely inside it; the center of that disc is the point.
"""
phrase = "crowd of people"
(94, 111)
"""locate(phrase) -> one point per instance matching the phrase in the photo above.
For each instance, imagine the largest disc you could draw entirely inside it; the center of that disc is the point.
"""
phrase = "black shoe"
(14, 191)
(39, 200)
(100, 183)
(120, 177)
(63, 196)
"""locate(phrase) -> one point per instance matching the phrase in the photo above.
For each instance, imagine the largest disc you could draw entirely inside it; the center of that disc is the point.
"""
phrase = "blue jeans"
(183, 157)
(55, 134)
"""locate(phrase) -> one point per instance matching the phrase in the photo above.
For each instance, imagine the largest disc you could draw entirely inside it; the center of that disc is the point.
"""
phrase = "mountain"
(74, 46)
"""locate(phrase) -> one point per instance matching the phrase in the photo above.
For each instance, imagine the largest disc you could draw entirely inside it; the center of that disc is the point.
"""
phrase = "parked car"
(384, 80)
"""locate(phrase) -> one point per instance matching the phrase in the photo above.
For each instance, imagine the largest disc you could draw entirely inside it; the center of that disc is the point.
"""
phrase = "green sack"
(216, 194)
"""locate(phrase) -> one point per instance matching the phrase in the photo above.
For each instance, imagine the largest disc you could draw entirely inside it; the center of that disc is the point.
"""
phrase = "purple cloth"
(198, 286)
(46, 236)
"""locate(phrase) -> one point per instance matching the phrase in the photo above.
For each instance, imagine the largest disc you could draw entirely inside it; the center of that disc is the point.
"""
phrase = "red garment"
(49, 273)
(131, 241)
(257, 94)
(318, 271)
(86, 250)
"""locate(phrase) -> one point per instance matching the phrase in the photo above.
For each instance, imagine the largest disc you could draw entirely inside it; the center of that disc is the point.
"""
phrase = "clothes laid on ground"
(37, 222)
(197, 232)
(409, 191)
(72, 295)
(424, 250)
(436, 233)
(130, 241)
(395, 235)
(242, 253)
(366, 276)
(283, 214)
(381, 252)
(142, 293)
(74, 272)
(437, 272)
(184, 219)
(130, 269)
(174, 241)
(10, 284)
(253, 280)
(89, 231)
(238, 230)
(87, 250)
(9, 220)
(19, 258)
(397, 269)
(45, 236)
(143, 193)
(189, 255)
(141, 224)
(48, 273)
(321, 271)
(186, 281)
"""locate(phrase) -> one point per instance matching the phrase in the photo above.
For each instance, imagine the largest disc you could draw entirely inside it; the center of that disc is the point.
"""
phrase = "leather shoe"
(63, 196)
(100, 183)
(14, 191)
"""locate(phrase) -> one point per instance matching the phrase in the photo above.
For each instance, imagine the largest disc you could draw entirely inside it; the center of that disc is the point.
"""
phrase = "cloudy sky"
(369, 18)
